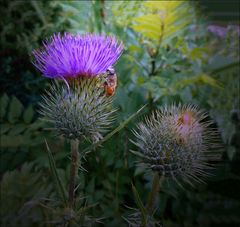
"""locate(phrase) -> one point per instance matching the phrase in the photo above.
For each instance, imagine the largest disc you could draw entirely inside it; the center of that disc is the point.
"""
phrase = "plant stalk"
(154, 192)
(75, 161)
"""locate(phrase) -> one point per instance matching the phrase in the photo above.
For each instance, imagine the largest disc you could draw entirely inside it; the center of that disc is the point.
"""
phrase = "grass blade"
(140, 206)
(108, 136)
(56, 177)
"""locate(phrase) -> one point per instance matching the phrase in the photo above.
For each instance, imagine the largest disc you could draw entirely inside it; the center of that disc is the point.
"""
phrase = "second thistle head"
(177, 142)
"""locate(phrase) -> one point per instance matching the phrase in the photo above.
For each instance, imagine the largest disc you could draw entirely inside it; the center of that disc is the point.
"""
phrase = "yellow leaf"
(147, 32)
(164, 20)
(204, 78)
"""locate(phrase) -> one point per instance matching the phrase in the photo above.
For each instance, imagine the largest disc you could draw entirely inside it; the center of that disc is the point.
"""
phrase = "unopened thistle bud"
(81, 107)
(84, 111)
(177, 142)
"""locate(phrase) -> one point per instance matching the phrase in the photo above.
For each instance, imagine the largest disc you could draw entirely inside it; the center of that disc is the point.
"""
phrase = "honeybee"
(110, 83)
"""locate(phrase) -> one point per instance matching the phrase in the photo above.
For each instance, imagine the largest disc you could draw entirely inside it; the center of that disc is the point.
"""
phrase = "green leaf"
(149, 25)
(198, 53)
(5, 128)
(15, 110)
(28, 115)
(200, 79)
(3, 105)
(147, 32)
(140, 205)
(56, 177)
(225, 67)
(17, 129)
(205, 79)
(124, 11)
(10, 141)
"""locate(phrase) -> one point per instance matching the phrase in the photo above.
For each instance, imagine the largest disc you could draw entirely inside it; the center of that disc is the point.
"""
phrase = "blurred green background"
(170, 56)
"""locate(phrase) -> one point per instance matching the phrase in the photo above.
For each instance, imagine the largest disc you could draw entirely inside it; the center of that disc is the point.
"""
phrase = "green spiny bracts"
(81, 110)
(178, 142)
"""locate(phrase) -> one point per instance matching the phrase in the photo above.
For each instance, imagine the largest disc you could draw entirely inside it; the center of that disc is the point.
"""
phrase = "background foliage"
(170, 56)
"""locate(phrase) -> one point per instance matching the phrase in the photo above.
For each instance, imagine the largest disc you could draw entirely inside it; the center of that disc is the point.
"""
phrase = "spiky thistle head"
(178, 142)
(71, 56)
(81, 111)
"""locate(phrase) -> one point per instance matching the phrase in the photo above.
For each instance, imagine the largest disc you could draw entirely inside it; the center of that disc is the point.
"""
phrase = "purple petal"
(217, 30)
(71, 56)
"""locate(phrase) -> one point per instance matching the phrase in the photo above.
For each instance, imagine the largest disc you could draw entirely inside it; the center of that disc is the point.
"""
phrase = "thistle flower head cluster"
(79, 108)
(177, 141)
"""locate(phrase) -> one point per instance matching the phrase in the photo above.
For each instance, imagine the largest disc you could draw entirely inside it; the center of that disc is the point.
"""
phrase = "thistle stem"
(73, 171)
(154, 192)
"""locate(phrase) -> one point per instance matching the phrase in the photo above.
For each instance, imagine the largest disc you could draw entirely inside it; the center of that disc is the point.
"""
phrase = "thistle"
(80, 108)
(177, 142)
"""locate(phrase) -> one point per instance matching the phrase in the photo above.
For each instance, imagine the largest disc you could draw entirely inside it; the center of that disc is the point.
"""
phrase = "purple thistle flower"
(70, 56)
(217, 30)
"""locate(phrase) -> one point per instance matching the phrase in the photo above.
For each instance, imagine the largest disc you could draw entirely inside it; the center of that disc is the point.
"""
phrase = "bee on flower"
(110, 83)
(77, 108)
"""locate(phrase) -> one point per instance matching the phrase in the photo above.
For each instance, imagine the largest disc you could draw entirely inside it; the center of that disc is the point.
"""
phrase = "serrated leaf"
(28, 114)
(9, 141)
(17, 129)
(5, 128)
(3, 105)
(15, 110)
(151, 21)
(147, 31)
(164, 20)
